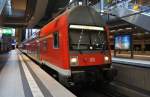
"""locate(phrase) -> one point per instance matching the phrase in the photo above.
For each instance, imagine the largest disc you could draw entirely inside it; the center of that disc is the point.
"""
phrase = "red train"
(74, 45)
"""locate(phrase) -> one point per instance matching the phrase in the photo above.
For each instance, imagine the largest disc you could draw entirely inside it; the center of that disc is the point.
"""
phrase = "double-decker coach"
(75, 46)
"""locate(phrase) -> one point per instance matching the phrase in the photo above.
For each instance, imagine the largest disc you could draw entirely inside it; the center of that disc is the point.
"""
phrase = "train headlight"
(106, 58)
(74, 61)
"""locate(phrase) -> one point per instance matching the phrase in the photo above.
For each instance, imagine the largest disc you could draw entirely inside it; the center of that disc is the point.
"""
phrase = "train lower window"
(56, 40)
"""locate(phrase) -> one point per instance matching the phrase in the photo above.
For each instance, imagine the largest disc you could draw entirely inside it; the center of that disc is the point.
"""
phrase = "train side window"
(56, 40)
(45, 45)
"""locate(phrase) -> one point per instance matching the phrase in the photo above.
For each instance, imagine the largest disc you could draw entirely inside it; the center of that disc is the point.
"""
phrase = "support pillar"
(143, 44)
(85, 2)
(101, 6)
(18, 35)
(132, 50)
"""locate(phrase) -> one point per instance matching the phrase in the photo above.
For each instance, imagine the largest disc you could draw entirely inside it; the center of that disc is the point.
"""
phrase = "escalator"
(2, 4)
(125, 11)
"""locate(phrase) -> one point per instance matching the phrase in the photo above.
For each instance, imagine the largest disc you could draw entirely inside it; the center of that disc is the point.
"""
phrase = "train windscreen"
(83, 39)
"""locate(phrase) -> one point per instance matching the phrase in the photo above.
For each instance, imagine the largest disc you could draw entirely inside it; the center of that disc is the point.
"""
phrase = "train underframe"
(83, 75)
(86, 75)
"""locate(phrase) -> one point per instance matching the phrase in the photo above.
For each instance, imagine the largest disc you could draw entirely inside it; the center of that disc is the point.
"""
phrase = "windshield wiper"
(80, 40)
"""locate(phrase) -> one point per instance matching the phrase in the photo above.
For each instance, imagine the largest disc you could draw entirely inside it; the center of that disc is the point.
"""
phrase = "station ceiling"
(29, 13)
(17, 12)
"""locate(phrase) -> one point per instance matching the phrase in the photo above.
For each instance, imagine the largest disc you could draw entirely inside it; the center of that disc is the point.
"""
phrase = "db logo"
(92, 59)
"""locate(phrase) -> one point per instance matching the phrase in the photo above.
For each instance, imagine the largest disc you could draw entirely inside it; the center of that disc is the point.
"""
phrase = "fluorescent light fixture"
(112, 30)
(70, 0)
(128, 28)
(120, 29)
(80, 3)
(86, 27)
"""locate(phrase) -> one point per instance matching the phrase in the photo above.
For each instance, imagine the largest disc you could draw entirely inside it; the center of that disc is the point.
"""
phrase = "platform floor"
(10, 76)
(20, 77)
(137, 60)
(136, 56)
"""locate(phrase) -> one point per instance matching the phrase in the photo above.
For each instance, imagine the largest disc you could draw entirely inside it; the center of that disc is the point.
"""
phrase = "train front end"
(89, 52)
(90, 57)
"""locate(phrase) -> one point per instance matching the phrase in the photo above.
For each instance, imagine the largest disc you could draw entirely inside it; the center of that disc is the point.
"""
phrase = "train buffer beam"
(21, 77)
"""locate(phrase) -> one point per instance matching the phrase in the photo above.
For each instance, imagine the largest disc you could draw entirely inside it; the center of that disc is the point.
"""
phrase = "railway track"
(103, 90)
(110, 91)
(94, 90)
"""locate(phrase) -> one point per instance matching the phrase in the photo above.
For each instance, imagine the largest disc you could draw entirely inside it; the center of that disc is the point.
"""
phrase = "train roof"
(79, 15)
(85, 15)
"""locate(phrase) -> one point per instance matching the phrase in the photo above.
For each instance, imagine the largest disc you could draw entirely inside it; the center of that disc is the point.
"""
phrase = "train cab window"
(82, 39)
(56, 40)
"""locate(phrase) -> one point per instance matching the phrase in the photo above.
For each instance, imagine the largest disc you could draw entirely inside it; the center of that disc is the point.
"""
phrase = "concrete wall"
(133, 76)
